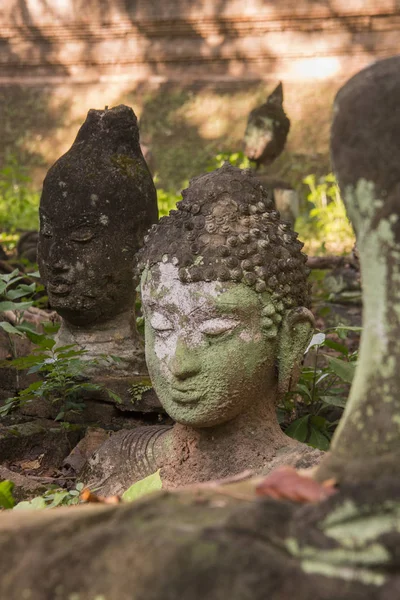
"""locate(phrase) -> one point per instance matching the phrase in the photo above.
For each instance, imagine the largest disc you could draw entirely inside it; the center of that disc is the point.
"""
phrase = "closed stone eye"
(82, 235)
(215, 327)
(161, 324)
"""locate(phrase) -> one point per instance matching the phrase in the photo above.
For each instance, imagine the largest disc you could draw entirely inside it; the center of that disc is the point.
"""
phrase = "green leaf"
(49, 327)
(7, 277)
(9, 328)
(318, 440)
(344, 370)
(322, 377)
(114, 396)
(14, 294)
(298, 430)
(145, 486)
(6, 497)
(68, 347)
(33, 336)
(14, 306)
(318, 433)
(35, 368)
(33, 387)
(46, 343)
(116, 359)
(303, 390)
(319, 422)
(70, 353)
(26, 326)
(35, 504)
(58, 498)
(334, 400)
(336, 346)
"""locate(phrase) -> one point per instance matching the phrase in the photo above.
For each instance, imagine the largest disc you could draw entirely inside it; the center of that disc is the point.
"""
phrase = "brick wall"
(88, 40)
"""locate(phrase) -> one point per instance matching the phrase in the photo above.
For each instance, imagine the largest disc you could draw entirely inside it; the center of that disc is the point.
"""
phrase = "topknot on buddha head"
(226, 228)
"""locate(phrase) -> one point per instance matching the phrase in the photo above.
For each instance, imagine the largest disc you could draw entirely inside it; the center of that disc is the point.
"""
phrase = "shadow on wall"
(87, 35)
(159, 37)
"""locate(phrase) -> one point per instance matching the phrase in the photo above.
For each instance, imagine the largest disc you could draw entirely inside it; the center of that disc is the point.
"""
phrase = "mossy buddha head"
(225, 297)
(98, 201)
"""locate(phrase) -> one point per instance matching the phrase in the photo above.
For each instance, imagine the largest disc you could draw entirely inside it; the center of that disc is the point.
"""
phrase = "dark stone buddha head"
(98, 201)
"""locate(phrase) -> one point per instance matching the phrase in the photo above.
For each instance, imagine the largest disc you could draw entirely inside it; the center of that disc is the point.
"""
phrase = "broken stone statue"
(264, 140)
(97, 203)
(225, 300)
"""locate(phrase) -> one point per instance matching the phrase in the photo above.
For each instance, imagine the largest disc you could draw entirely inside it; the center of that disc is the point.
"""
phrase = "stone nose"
(185, 362)
(55, 261)
(59, 266)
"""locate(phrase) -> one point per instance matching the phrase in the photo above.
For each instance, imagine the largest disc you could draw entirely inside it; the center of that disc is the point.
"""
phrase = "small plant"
(322, 390)
(15, 192)
(6, 494)
(62, 369)
(166, 202)
(22, 293)
(63, 375)
(237, 159)
(52, 498)
(326, 227)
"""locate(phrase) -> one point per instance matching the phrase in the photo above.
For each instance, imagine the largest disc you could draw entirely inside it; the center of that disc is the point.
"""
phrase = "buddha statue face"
(88, 276)
(209, 349)
(223, 329)
(97, 202)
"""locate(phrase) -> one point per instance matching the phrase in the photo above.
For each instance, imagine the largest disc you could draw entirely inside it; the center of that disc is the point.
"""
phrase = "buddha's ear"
(294, 336)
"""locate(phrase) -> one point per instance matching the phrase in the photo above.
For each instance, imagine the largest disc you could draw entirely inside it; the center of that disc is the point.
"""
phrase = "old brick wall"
(88, 40)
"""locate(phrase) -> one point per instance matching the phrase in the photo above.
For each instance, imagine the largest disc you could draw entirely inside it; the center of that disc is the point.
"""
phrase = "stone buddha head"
(97, 203)
(225, 299)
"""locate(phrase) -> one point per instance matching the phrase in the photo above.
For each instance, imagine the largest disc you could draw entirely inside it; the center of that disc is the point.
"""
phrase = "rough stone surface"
(224, 292)
(216, 543)
(366, 154)
(23, 486)
(91, 441)
(98, 201)
(33, 438)
(286, 199)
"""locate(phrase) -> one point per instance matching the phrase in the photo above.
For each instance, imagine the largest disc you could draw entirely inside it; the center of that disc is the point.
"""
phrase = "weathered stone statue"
(98, 201)
(367, 166)
(264, 140)
(225, 296)
(267, 129)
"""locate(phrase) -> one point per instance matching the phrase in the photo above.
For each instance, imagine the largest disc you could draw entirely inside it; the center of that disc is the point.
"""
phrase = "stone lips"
(229, 230)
